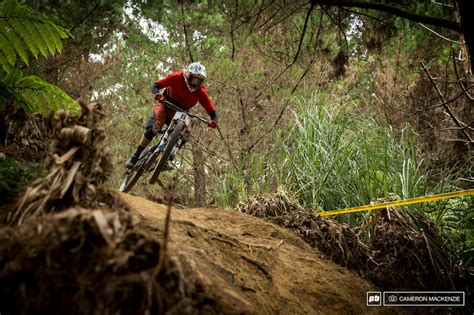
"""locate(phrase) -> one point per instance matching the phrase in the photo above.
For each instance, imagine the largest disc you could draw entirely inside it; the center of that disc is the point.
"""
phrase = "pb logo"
(374, 298)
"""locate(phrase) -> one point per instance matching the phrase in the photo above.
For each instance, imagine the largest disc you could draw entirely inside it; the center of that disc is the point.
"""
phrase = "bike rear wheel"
(173, 139)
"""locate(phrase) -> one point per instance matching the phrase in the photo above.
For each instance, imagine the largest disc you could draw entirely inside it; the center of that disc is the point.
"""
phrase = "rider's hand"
(158, 96)
(155, 129)
(212, 123)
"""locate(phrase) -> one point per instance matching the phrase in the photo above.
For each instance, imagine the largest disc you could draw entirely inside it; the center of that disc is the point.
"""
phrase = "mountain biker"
(183, 88)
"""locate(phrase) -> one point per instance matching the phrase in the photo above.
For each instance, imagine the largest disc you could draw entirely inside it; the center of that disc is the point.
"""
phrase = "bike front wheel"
(132, 176)
(130, 179)
(173, 139)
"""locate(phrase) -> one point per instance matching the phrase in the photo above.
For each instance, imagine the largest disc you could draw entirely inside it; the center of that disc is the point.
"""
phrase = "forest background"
(334, 106)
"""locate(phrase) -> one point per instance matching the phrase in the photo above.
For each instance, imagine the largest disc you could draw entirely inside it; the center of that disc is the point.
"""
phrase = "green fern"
(23, 33)
(34, 94)
(32, 87)
(26, 36)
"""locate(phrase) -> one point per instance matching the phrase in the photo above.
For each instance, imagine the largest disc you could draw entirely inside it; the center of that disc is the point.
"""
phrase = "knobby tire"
(129, 181)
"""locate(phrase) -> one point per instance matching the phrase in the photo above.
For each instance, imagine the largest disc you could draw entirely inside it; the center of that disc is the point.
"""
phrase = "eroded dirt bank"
(251, 265)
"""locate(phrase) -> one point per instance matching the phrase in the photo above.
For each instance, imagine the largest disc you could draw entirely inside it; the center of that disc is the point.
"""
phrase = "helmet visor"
(194, 80)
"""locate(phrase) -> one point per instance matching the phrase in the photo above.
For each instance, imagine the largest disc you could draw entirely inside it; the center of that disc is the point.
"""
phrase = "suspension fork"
(185, 135)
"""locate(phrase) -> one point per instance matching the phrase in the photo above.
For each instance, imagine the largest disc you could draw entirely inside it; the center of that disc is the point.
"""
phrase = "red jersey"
(177, 91)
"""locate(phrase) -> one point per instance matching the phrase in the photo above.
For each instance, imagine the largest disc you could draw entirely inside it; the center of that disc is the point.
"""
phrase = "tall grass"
(341, 159)
(332, 158)
(251, 177)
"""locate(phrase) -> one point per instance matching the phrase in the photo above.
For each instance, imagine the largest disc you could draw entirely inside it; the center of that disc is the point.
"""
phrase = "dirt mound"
(247, 265)
(84, 261)
(58, 257)
(402, 251)
(336, 241)
(88, 261)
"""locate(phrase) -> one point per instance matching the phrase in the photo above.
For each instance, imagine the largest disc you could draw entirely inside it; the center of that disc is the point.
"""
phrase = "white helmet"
(195, 75)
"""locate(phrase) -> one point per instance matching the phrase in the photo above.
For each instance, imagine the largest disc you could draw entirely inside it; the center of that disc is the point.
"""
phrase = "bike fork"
(181, 142)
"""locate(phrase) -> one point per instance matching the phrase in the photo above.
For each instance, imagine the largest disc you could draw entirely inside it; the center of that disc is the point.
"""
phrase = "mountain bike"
(172, 139)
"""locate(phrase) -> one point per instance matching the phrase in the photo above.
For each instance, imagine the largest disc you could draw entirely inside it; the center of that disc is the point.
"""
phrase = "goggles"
(195, 80)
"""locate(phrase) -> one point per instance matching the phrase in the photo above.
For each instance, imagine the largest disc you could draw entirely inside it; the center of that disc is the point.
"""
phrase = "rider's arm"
(206, 102)
(165, 82)
(171, 79)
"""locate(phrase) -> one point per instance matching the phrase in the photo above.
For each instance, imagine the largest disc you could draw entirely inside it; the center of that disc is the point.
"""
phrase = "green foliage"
(13, 176)
(333, 158)
(34, 94)
(242, 183)
(24, 32)
(455, 220)
(149, 8)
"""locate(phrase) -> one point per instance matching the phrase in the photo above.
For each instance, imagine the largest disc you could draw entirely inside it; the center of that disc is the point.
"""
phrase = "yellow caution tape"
(455, 194)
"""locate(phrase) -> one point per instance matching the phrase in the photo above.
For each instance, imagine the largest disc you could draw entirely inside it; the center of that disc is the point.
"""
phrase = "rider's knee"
(149, 135)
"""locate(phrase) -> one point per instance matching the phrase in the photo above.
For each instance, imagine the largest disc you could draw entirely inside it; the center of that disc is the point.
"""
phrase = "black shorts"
(149, 135)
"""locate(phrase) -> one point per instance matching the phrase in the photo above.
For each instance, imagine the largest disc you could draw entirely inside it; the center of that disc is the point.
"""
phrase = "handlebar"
(177, 108)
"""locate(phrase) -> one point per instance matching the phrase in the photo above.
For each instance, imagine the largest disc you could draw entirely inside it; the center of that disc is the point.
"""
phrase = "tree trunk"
(199, 177)
(466, 9)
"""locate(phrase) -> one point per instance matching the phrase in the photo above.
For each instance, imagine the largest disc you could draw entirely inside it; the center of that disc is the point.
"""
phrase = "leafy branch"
(23, 33)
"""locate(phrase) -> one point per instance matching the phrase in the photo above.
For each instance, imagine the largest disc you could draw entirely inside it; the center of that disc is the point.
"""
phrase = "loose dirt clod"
(77, 164)
(83, 261)
(74, 247)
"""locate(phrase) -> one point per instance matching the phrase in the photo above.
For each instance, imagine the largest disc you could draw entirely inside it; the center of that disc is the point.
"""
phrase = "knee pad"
(149, 135)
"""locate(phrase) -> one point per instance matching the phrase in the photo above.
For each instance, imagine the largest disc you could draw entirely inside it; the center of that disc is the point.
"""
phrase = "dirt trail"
(253, 266)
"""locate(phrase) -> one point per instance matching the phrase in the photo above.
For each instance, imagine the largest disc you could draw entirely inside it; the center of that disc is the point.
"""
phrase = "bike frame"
(179, 115)
(149, 156)
(158, 148)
